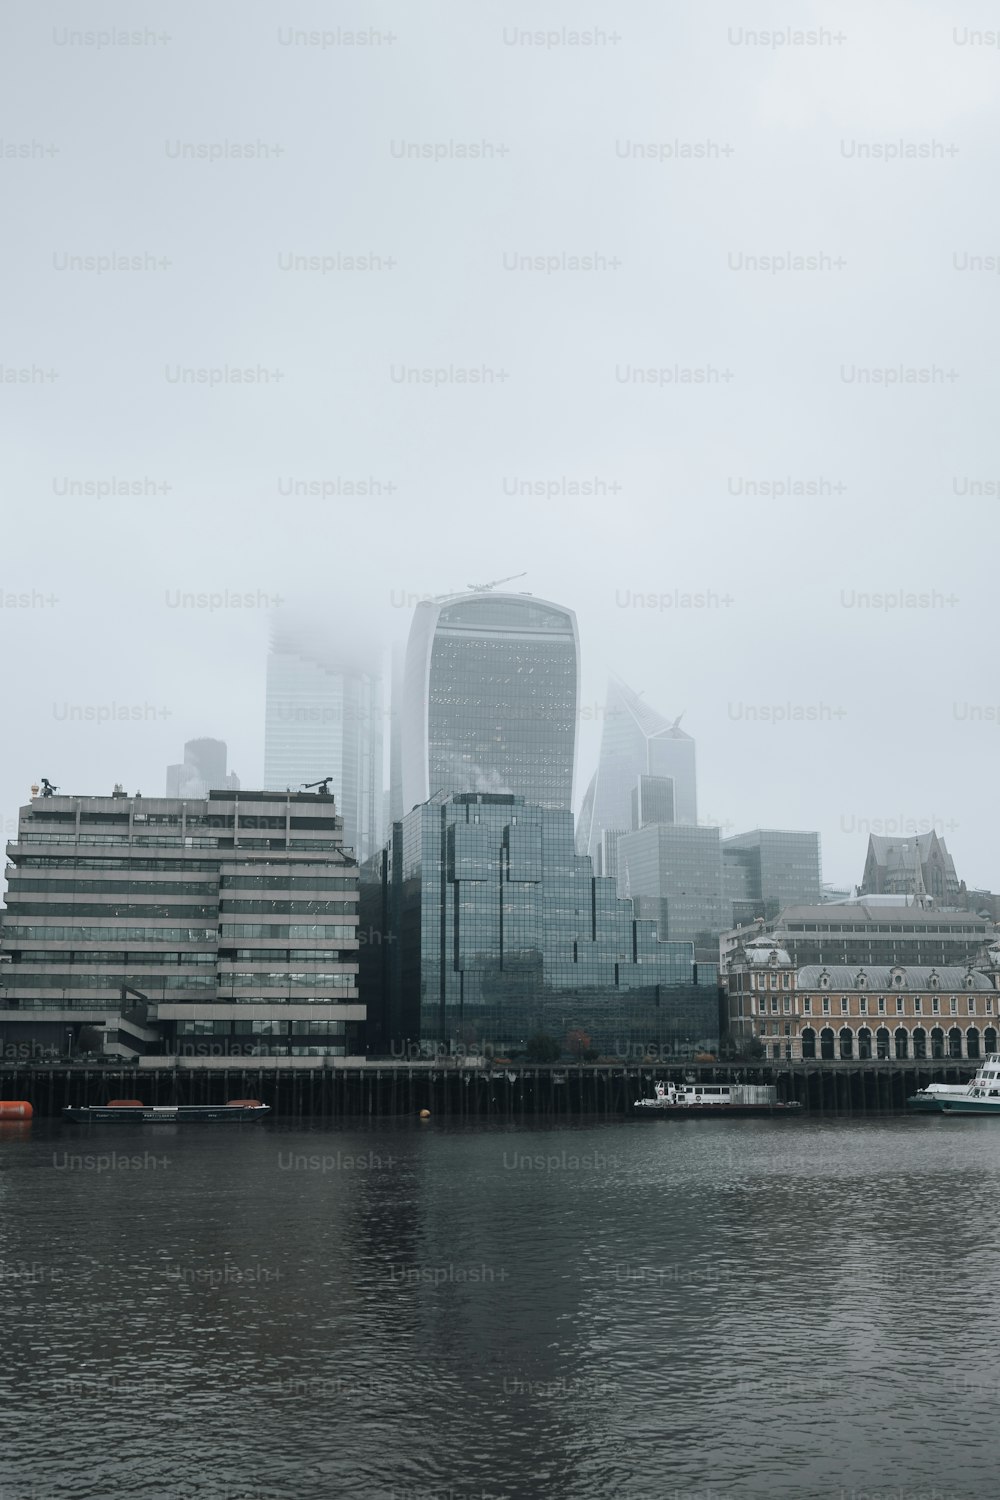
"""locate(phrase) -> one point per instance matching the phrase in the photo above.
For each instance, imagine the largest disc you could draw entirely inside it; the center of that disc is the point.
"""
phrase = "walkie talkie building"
(490, 691)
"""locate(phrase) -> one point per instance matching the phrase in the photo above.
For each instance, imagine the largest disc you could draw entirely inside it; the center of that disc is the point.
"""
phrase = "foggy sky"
(905, 702)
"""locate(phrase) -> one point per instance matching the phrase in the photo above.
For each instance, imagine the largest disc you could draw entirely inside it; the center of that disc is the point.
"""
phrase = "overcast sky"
(872, 149)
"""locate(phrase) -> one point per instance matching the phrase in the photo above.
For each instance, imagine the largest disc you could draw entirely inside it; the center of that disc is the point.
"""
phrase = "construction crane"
(322, 786)
(47, 787)
(484, 588)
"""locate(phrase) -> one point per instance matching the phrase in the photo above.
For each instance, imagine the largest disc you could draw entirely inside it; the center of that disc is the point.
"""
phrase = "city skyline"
(844, 839)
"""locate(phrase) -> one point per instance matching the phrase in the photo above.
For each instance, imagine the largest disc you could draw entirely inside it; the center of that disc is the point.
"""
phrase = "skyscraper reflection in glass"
(490, 690)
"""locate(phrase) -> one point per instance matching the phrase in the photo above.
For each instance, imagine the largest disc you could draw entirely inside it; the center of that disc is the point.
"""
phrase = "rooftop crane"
(323, 786)
(484, 588)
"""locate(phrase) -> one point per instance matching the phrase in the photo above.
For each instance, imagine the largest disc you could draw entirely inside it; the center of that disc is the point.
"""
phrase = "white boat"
(980, 1097)
(713, 1099)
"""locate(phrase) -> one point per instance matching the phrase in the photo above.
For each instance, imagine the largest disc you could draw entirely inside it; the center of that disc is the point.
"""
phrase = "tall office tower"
(769, 869)
(205, 927)
(202, 770)
(635, 741)
(490, 693)
(324, 718)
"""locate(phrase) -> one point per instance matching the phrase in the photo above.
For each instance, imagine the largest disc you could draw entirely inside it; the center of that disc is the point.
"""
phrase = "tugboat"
(980, 1097)
(134, 1109)
(689, 1099)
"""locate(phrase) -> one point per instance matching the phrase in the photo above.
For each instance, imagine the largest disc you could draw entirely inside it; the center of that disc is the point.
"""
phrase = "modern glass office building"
(490, 690)
(635, 741)
(769, 869)
(679, 868)
(501, 930)
(228, 925)
(324, 717)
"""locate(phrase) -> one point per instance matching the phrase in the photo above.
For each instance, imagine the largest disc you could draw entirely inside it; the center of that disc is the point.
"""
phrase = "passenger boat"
(980, 1097)
(713, 1099)
(134, 1109)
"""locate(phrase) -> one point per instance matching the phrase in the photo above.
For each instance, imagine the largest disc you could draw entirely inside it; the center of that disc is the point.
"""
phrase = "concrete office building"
(226, 925)
(870, 930)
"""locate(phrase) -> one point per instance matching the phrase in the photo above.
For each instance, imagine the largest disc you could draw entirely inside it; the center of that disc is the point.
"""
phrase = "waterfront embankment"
(346, 1089)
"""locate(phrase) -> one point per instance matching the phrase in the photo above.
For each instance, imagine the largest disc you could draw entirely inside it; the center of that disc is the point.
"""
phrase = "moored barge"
(135, 1110)
(690, 1099)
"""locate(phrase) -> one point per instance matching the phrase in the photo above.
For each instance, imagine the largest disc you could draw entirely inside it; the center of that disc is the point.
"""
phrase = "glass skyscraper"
(635, 741)
(500, 929)
(324, 717)
(490, 690)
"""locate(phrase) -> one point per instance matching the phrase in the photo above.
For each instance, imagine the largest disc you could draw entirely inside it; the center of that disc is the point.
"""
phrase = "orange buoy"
(15, 1109)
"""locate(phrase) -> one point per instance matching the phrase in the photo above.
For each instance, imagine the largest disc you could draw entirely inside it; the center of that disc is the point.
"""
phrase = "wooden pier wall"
(402, 1088)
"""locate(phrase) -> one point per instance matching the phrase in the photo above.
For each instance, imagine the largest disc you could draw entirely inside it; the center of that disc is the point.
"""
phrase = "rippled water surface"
(711, 1309)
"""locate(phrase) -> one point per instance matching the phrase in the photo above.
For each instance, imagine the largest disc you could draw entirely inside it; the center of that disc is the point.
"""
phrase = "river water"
(647, 1310)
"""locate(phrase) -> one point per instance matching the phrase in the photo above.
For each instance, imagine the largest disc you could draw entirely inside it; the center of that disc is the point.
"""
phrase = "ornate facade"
(839, 1013)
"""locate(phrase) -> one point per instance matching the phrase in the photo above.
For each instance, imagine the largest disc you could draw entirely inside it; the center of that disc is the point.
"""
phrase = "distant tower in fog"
(324, 718)
(202, 770)
(636, 741)
(490, 690)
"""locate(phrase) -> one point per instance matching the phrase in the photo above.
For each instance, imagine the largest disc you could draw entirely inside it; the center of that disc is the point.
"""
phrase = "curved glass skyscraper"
(490, 690)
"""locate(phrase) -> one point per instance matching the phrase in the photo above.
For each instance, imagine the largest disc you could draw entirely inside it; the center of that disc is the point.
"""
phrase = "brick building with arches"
(844, 1013)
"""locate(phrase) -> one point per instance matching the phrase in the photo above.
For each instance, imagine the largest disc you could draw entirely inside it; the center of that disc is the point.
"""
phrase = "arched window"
(882, 1040)
(972, 1042)
(826, 1041)
(846, 1044)
(937, 1042)
(919, 1042)
(902, 1044)
(954, 1042)
(808, 1043)
(864, 1044)
(990, 1039)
